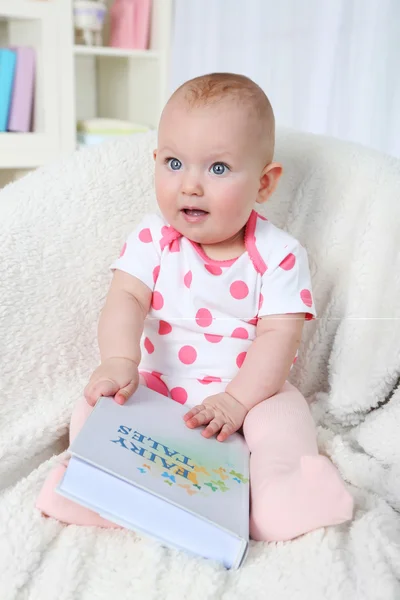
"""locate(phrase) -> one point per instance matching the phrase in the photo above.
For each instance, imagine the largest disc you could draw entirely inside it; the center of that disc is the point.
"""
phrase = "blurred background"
(80, 72)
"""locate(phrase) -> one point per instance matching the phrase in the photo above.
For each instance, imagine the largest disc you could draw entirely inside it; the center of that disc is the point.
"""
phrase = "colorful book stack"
(17, 80)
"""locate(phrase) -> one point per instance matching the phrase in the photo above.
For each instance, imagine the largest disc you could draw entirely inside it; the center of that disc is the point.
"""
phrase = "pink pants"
(293, 489)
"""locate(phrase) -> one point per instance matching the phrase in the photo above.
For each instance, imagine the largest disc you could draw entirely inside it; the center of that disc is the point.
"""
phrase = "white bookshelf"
(41, 25)
(115, 52)
(75, 82)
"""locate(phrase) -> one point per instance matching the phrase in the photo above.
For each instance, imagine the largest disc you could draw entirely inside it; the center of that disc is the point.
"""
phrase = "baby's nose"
(192, 185)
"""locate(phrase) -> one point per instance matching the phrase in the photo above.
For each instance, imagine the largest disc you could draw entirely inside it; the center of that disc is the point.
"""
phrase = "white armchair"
(60, 227)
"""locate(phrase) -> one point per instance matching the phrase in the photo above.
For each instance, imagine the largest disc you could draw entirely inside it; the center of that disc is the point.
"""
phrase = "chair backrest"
(341, 201)
(61, 227)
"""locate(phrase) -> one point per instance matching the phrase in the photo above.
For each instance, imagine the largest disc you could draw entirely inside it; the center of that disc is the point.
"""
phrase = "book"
(140, 466)
(91, 132)
(20, 116)
(103, 126)
(7, 70)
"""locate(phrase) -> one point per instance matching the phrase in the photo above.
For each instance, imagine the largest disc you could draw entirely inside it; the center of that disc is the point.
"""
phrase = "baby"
(207, 305)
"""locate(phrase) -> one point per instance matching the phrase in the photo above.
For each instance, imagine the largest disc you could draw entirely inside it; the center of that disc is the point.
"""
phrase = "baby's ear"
(155, 154)
(268, 182)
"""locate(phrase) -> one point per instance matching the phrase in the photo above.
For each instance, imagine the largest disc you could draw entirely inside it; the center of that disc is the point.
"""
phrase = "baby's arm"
(122, 318)
(262, 375)
(119, 331)
(268, 360)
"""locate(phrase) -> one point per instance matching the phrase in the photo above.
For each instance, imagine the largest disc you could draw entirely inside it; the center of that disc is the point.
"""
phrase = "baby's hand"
(223, 414)
(117, 377)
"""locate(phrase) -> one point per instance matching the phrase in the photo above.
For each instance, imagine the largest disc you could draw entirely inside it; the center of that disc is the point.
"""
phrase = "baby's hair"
(210, 89)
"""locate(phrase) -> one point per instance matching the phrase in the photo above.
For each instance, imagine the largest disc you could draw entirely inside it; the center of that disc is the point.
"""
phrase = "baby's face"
(208, 170)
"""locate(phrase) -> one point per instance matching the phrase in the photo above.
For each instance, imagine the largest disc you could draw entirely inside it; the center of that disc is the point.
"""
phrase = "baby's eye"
(174, 164)
(219, 168)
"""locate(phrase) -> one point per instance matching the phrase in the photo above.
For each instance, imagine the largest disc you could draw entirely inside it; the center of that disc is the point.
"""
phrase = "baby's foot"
(295, 503)
(54, 505)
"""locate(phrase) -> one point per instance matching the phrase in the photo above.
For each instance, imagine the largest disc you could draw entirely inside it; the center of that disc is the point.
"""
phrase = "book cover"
(7, 71)
(20, 116)
(146, 443)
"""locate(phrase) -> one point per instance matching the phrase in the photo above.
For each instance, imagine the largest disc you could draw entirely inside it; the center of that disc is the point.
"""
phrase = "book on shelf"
(20, 117)
(140, 466)
(8, 60)
(17, 81)
(91, 132)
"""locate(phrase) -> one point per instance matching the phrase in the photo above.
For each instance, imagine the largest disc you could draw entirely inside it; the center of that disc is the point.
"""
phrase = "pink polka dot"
(156, 374)
(240, 359)
(253, 321)
(288, 262)
(153, 382)
(203, 317)
(164, 328)
(262, 217)
(187, 355)
(148, 345)
(179, 395)
(164, 230)
(305, 295)
(214, 270)
(240, 332)
(209, 379)
(123, 250)
(187, 280)
(214, 339)
(174, 247)
(158, 301)
(260, 302)
(239, 290)
(145, 236)
(156, 272)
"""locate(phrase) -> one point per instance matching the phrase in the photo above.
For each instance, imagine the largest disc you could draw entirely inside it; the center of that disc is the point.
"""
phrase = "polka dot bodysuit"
(204, 312)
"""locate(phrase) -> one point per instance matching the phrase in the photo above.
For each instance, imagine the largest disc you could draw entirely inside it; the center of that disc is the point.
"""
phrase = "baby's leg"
(79, 415)
(293, 489)
(52, 504)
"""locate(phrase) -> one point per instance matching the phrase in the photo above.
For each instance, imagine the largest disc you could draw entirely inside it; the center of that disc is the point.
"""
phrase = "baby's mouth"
(194, 212)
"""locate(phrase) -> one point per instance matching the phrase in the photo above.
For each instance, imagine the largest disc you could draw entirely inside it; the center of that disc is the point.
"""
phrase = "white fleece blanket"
(60, 227)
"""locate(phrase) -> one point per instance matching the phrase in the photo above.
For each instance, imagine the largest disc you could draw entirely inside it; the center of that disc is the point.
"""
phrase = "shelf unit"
(114, 52)
(75, 82)
(42, 26)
